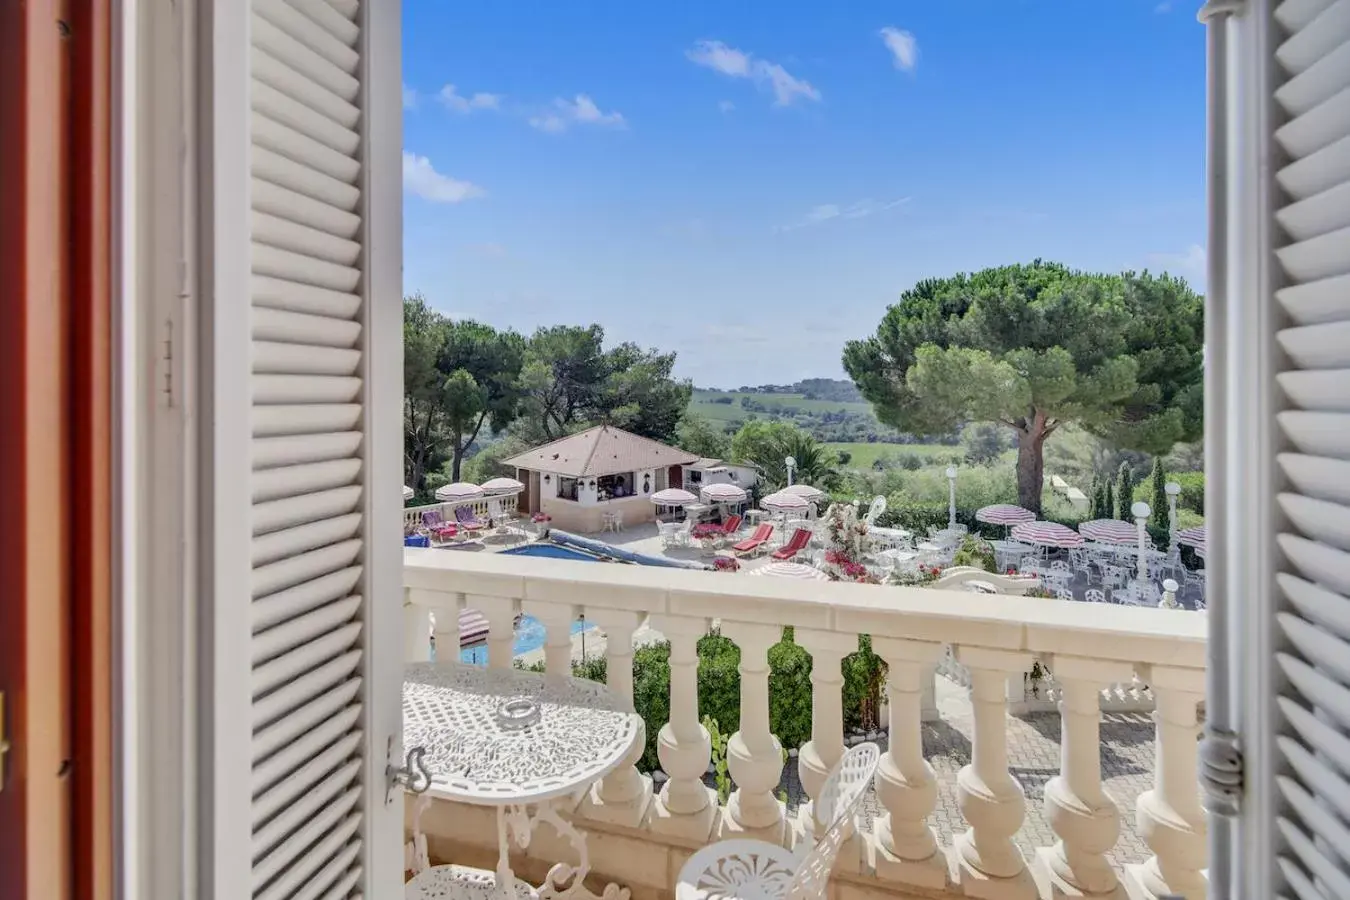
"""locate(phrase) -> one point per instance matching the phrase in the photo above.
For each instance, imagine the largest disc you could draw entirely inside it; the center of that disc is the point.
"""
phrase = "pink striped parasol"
(1193, 537)
(1004, 514)
(1109, 531)
(1046, 534)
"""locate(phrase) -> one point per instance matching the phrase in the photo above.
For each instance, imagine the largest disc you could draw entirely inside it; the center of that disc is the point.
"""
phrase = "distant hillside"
(808, 389)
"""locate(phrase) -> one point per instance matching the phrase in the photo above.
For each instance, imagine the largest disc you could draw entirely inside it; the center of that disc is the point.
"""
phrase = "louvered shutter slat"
(299, 729)
(1312, 247)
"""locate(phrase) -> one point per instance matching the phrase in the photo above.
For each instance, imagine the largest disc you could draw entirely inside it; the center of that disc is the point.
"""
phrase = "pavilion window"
(614, 486)
(567, 488)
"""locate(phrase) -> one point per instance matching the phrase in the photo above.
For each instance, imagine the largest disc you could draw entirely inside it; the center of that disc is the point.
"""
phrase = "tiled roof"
(603, 450)
(707, 462)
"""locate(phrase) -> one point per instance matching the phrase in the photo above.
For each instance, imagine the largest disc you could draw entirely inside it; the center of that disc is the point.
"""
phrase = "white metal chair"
(1063, 594)
(1094, 595)
(757, 870)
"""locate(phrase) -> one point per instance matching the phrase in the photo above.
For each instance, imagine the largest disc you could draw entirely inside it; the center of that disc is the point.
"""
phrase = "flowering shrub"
(922, 575)
(540, 518)
(846, 543)
(1039, 592)
(727, 564)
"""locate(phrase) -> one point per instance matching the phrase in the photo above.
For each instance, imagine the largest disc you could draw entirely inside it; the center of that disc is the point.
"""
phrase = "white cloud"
(734, 63)
(903, 46)
(1192, 264)
(825, 212)
(581, 110)
(726, 106)
(455, 102)
(409, 97)
(422, 179)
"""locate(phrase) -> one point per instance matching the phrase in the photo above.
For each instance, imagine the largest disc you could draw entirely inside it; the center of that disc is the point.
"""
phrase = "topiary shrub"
(719, 688)
(976, 552)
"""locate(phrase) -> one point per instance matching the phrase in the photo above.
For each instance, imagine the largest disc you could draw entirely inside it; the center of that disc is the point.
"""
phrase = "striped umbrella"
(805, 491)
(1046, 534)
(1109, 531)
(722, 493)
(783, 502)
(459, 492)
(502, 486)
(792, 570)
(673, 497)
(1193, 537)
(1004, 514)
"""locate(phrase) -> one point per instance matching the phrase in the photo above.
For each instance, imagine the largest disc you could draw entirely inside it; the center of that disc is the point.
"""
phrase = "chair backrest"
(1095, 595)
(731, 524)
(762, 532)
(800, 538)
(877, 508)
(432, 517)
(464, 514)
(837, 807)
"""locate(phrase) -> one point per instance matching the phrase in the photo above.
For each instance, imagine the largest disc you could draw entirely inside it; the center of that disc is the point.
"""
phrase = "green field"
(864, 454)
(702, 403)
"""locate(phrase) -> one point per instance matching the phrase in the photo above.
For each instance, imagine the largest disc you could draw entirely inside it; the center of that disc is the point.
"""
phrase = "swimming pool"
(530, 632)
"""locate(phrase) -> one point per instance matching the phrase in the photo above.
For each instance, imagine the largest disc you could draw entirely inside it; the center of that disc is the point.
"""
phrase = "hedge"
(719, 687)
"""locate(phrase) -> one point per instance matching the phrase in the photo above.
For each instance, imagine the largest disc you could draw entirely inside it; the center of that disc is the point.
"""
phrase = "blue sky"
(751, 184)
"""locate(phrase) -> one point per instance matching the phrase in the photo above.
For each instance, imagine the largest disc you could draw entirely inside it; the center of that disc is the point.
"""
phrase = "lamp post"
(1169, 597)
(791, 464)
(951, 501)
(1173, 490)
(1141, 511)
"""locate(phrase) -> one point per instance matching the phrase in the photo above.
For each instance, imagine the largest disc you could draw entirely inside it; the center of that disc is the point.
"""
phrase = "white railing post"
(685, 807)
(928, 694)
(1169, 817)
(989, 864)
(557, 619)
(416, 626)
(500, 613)
(906, 786)
(1084, 819)
(754, 754)
(621, 798)
(445, 609)
(819, 755)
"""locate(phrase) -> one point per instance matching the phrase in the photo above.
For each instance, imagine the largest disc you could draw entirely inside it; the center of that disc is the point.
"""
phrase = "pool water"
(530, 632)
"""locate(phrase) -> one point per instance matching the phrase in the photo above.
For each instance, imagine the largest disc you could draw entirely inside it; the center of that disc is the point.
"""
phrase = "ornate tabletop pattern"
(503, 736)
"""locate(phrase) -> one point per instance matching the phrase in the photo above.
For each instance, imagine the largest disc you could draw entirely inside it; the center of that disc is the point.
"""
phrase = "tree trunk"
(1030, 467)
(456, 458)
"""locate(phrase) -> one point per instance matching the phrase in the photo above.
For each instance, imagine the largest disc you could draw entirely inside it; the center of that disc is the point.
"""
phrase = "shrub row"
(719, 688)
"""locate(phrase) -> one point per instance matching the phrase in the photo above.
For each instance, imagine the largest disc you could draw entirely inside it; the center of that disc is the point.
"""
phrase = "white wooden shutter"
(303, 374)
(1287, 510)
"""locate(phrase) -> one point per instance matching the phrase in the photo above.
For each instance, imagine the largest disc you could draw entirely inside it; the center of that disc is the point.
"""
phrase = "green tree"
(571, 382)
(697, 435)
(1095, 499)
(457, 377)
(1157, 483)
(984, 443)
(424, 438)
(1033, 347)
(1124, 492)
(767, 444)
(1108, 500)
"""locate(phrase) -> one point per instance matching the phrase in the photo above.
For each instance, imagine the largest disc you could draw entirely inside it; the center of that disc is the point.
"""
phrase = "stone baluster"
(1169, 817)
(445, 635)
(1084, 819)
(988, 863)
(557, 619)
(754, 754)
(928, 694)
(826, 747)
(686, 807)
(417, 625)
(907, 848)
(622, 797)
(500, 613)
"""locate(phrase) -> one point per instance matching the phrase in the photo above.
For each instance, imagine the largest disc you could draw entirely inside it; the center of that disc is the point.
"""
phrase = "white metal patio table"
(515, 740)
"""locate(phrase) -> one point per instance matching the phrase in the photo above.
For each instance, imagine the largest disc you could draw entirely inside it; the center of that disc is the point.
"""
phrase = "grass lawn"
(702, 404)
(864, 454)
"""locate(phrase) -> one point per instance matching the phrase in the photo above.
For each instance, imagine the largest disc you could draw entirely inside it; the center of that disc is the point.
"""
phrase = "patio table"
(513, 740)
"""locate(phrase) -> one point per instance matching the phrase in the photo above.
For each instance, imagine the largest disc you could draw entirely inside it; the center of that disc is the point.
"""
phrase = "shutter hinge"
(167, 361)
(1221, 773)
(413, 775)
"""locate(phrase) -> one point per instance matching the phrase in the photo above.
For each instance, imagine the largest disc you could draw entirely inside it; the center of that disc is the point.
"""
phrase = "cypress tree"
(1124, 492)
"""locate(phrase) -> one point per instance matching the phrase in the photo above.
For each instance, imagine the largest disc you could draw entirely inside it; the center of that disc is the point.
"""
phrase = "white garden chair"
(757, 870)
(1063, 594)
(1094, 595)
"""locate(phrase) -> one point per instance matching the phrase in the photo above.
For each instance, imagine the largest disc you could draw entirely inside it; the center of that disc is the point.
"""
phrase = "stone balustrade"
(640, 836)
(484, 508)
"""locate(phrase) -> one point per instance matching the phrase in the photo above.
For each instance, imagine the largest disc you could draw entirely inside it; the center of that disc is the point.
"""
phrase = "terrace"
(980, 780)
